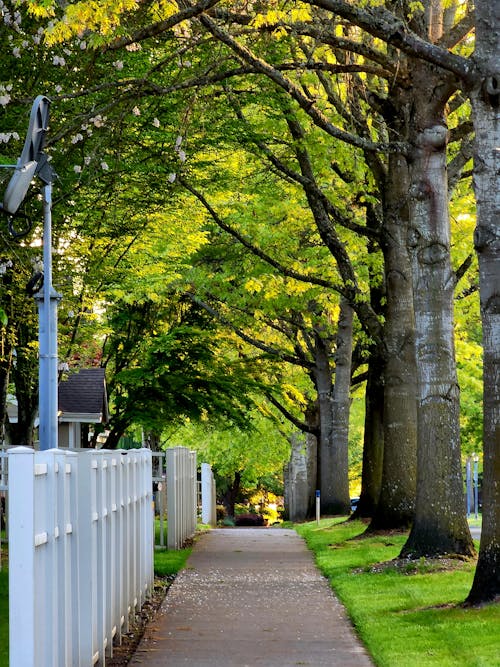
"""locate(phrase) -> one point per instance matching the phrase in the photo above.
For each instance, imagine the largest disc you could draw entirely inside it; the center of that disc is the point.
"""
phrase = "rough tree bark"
(333, 470)
(373, 442)
(486, 117)
(440, 525)
(229, 496)
(396, 505)
(335, 475)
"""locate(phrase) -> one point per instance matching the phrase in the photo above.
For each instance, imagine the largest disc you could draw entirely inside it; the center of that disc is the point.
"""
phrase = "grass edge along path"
(410, 615)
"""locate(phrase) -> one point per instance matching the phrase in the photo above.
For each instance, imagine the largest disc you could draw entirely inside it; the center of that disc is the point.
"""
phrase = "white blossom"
(58, 89)
(178, 142)
(3, 267)
(4, 99)
(86, 161)
(118, 64)
(156, 122)
(133, 47)
(104, 166)
(58, 60)
(16, 52)
(76, 138)
(182, 156)
(77, 169)
(83, 45)
(136, 111)
(172, 177)
(98, 120)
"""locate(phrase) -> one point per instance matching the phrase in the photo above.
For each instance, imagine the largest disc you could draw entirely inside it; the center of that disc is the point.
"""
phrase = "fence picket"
(78, 563)
(181, 496)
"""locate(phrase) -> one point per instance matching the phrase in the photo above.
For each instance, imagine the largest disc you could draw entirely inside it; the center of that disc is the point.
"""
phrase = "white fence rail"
(80, 552)
(208, 496)
(182, 491)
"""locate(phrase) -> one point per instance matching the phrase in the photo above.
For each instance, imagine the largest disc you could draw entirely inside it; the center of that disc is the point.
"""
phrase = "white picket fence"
(80, 552)
(182, 492)
(208, 496)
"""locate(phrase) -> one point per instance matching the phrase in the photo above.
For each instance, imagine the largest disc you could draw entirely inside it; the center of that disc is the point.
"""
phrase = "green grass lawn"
(408, 616)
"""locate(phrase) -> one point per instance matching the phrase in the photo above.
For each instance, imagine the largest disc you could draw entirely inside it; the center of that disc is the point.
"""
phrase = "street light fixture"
(33, 162)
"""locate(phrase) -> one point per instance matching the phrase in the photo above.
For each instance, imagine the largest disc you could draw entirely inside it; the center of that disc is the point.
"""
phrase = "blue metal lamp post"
(33, 162)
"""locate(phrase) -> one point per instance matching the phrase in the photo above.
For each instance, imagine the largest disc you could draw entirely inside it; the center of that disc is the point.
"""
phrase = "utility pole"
(33, 162)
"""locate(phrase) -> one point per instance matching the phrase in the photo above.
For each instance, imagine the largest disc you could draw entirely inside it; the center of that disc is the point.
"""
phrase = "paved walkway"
(250, 597)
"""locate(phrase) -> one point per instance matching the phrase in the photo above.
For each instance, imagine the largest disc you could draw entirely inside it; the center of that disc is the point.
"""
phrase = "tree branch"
(458, 32)
(380, 23)
(289, 273)
(162, 26)
(302, 426)
(278, 354)
(306, 103)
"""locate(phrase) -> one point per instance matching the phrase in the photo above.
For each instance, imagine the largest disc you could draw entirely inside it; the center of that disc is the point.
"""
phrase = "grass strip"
(407, 615)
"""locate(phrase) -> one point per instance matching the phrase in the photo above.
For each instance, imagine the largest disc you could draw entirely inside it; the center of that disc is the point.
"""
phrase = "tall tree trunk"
(396, 504)
(341, 403)
(5, 348)
(322, 374)
(440, 525)
(229, 496)
(4, 383)
(373, 444)
(333, 468)
(486, 117)
(373, 439)
(312, 418)
(300, 504)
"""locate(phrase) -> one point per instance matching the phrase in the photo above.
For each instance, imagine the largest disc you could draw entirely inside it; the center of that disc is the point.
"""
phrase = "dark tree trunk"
(322, 373)
(396, 505)
(341, 403)
(4, 383)
(312, 419)
(5, 355)
(486, 117)
(229, 496)
(333, 403)
(373, 446)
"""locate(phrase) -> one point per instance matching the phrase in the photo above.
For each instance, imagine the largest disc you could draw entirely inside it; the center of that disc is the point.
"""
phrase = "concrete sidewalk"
(248, 597)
